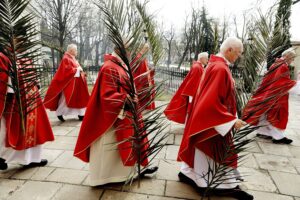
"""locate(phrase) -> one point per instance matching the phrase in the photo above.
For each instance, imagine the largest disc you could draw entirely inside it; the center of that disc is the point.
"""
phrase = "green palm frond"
(128, 41)
(18, 39)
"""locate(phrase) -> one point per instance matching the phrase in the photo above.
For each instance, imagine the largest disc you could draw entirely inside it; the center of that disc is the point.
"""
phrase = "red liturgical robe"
(144, 78)
(213, 105)
(74, 89)
(271, 98)
(107, 101)
(37, 126)
(178, 107)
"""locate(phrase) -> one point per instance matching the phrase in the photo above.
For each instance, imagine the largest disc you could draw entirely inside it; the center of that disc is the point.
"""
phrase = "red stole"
(37, 126)
(178, 107)
(74, 89)
(273, 91)
(214, 104)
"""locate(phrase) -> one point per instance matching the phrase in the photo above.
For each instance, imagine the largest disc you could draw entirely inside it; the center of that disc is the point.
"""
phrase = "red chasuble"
(213, 105)
(144, 78)
(107, 100)
(271, 98)
(179, 105)
(37, 126)
(74, 88)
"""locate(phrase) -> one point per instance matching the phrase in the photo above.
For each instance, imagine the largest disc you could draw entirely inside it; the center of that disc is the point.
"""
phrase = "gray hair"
(289, 52)
(202, 55)
(231, 42)
(71, 46)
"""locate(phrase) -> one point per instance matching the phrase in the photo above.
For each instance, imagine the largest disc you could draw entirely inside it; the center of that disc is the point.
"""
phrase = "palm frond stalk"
(149, 135)
(18, 38)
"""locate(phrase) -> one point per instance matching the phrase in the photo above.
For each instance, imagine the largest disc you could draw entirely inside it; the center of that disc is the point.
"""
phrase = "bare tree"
(169, 37)
(59, 17)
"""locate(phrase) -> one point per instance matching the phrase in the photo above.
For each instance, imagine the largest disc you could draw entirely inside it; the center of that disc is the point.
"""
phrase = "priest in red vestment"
(18, 144)
(269, 106)
(144, 81)
(208, 128)
(178, 108)
(106, 126)
(68, 91)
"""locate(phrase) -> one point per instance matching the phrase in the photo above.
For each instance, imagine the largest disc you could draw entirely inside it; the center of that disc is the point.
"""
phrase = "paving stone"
(148, 186)
(115, 195)
(63, 143)
(275, 149)
(276, 163)
(67, 160)
(171, 139)
(295, 151)
(68, 176)
(42, 173)
(71, 121)
(181, 190)
(24, 173)
(172, 152)
(269, 196)
(12, 169)
(168, 170)
(287, 183)
(51, 154)
(74, 132)
(249, 161)
(61, 130)
(76, 192)
(253, 147)
(7, 187)
(256, 179)
(36, 190)
(178, 139)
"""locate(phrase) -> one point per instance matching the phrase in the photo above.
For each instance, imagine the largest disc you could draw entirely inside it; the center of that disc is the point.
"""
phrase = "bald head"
(232, 48)
(203, 58)
(72, 49)
(289, 55)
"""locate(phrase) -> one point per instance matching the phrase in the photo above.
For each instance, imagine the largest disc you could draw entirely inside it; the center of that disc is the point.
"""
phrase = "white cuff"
(122, 114)
(9, 84)
(190, 99)
(295, 89)
(77, 74)
(223, 129)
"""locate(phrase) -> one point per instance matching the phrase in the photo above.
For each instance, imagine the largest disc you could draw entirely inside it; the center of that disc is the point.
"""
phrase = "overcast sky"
(174, 11)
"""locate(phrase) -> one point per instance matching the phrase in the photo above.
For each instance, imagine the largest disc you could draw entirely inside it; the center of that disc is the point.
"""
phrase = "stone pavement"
(272, 171)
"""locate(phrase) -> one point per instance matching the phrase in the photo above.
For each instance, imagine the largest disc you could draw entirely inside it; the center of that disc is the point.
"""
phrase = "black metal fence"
(170, 77)
(48, 73)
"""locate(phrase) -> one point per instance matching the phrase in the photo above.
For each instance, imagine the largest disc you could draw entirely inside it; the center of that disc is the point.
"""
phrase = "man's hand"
(239, 124)
(134, 99)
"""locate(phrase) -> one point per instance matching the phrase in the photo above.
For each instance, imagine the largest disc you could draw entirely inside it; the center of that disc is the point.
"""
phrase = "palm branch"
(18, 38)
(128, 41)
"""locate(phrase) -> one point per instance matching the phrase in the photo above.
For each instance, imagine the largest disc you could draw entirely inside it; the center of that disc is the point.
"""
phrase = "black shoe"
(282, 141)
(183, 178)
(148, 171)
(3, 165)
(61, 118)
(39, 164)
(80, 117)
(236, 193)
(263, 136)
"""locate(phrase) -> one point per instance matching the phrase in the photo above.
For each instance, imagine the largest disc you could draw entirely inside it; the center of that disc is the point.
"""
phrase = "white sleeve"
(295, 89)
(77, 74)
(190, 99)
(9, 89)
(223, 129)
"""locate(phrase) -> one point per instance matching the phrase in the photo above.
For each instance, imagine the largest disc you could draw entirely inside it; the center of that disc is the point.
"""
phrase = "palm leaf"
(18, 39)
(128, 41)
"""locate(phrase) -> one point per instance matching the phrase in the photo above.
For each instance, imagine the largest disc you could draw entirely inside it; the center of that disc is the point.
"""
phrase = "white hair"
(202, 55)
(289, 52)
(231, 42)
(71, 46)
